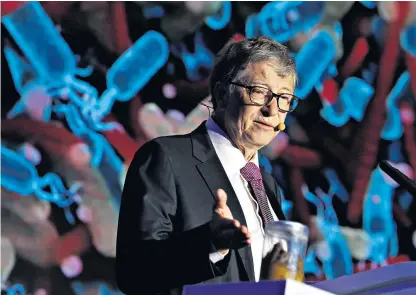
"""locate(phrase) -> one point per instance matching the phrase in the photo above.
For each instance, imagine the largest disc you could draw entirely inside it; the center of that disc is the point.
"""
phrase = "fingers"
(276, 255)
(285, 257)
(230, 234)
(269, 266)
(222, 199)
(246, 233)
(242, 236)
(279, 255)
(243, 230)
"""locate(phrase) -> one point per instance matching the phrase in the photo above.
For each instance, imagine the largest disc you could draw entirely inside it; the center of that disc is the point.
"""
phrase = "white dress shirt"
(232, 159)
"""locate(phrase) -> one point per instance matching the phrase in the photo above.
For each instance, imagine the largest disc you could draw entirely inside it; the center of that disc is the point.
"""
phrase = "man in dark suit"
(194, 206)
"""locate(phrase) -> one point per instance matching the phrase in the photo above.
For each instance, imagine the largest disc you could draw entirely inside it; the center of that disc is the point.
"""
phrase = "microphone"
(207, 106)
(407, 183)
(281, 126)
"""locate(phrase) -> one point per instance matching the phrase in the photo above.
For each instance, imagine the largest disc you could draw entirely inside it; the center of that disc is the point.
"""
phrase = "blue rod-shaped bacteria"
(131, 72)
(78, 287)
(378, 28)
(25, 79)
(153, 11)
(311, 265)
(265, 163)
(253, 26)
(369, 73)
(46, 50)
(369, 4)
(408, 39)
(81, 288)
(103, 155)
(201, 59)
(105, 290)
(286, 205)
(405, 199)
(314, 200)
(356, 93)
(35, 33)
(394, 152)
(393, 129)
(338, 261)
(20, 176)
(281, 20)
(335, 185)
(97, 143)
(16, 289)
(23, 74)
(338, 30)
(351, 102)
(221, 19)
(331, 70)
(312, 62)
(330, 213)
(378, 219)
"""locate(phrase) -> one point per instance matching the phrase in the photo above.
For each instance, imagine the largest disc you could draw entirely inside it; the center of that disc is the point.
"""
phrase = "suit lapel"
(272, 194)
(215, 177)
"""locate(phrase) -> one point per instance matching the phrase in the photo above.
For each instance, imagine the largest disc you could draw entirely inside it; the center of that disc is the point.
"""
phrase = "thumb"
(222, 199)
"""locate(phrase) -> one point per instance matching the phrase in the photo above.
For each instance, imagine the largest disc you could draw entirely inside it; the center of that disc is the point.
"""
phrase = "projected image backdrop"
(85, 84)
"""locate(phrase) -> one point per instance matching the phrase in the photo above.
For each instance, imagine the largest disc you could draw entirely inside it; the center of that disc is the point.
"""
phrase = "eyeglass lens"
(262, 96)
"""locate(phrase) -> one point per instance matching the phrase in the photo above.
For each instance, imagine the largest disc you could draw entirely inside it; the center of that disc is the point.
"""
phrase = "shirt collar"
(230, 156)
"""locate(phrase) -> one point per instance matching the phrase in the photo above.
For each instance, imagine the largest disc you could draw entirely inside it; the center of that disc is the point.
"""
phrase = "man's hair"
(236, 56)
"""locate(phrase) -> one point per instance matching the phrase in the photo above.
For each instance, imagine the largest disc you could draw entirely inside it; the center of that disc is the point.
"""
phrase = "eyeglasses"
(262, 96)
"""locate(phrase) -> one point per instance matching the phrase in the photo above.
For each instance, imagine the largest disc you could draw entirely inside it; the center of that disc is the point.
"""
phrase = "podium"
(250, 288)
(397, 279)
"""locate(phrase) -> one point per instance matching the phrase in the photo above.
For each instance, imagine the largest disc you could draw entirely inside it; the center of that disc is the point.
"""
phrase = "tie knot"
(251, 172)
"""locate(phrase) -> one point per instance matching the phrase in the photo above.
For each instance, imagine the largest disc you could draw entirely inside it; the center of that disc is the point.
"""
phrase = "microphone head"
(398, 176)
(281, 126)
(384, 163)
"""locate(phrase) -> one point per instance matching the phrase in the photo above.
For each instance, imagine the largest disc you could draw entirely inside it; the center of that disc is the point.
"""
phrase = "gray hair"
(236, 56)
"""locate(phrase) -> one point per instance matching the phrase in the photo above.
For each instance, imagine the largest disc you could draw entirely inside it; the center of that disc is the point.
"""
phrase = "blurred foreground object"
(32, 242)
(388, 11)
(8, 258)
(29, 208)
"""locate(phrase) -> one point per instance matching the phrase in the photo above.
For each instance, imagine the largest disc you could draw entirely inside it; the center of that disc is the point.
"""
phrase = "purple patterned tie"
(252, 174)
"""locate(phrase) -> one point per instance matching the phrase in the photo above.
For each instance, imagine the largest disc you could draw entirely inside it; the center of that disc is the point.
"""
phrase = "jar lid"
(291, 227)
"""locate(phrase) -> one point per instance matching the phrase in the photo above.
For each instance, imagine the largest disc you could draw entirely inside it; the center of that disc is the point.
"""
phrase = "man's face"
(251, 126)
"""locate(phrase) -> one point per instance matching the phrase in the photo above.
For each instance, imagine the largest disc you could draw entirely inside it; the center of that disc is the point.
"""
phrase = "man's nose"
(271, 109)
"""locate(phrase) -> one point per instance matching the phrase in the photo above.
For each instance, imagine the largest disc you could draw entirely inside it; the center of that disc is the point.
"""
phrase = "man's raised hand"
(228, 233)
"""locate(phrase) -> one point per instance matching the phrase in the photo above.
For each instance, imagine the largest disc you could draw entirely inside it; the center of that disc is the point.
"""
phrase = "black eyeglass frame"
(273, 95)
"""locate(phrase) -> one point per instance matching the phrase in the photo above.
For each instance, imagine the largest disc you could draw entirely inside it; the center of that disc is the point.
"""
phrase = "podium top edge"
(395, 274)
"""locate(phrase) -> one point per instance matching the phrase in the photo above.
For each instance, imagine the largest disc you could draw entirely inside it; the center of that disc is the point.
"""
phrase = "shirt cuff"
(216, 257)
